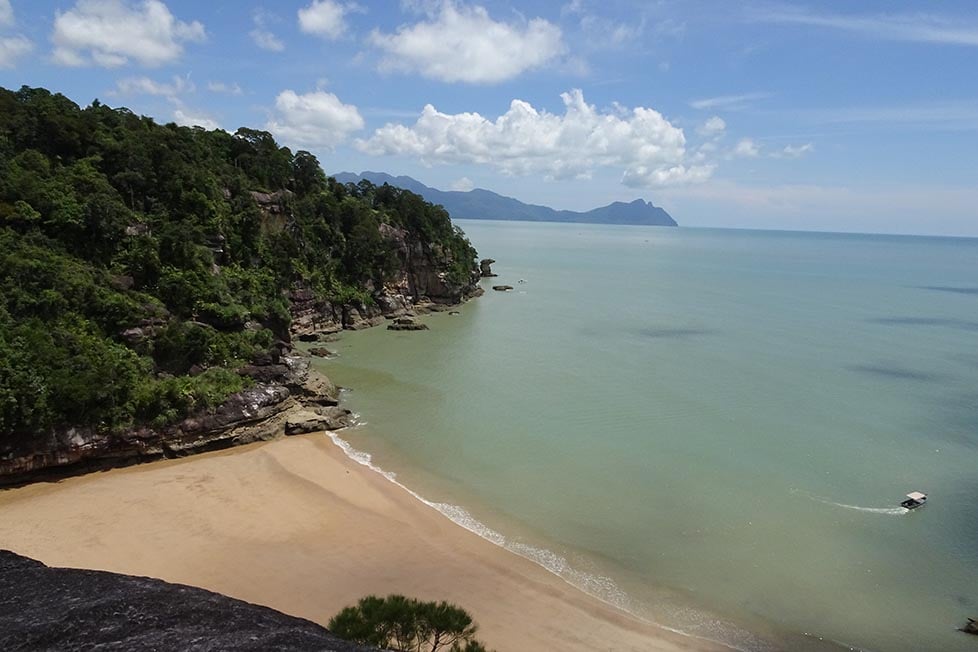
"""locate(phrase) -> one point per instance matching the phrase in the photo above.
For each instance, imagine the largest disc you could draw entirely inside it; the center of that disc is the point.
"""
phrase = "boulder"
(321, 352)
(319, 390)
(315, 420)
(44, 608)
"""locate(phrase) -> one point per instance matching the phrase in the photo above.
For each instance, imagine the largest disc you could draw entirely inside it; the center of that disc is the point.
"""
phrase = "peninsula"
(479, 204)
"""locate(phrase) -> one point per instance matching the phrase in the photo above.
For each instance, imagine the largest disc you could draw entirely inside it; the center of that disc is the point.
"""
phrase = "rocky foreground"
(45, 608)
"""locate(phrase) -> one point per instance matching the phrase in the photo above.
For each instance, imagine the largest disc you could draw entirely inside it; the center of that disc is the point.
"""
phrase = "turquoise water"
(709, 428)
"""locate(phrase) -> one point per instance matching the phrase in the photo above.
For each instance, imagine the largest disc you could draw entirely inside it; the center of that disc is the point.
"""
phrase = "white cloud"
(147, 86)
(746, 148)
(464, 184)
(713, 127)
(262, 36)
(13, 48)
(6, 14)
(266, 40)
(317, 119)
(464, 44)
(192, 119)
(794, 151)
(917, 27)
(111, 32)
(524, 141)
(326, 18)
(222, 87)
(728, 102)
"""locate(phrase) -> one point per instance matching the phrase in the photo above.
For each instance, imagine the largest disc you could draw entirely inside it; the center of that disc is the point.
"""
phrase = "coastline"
(297, 525)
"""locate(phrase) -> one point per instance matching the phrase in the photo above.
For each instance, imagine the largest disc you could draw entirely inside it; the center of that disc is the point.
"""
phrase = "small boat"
(914, 500)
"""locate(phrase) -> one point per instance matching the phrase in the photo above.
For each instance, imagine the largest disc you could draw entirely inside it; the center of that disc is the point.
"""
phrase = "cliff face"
(421, 283)
(44, 608)
(287, 398)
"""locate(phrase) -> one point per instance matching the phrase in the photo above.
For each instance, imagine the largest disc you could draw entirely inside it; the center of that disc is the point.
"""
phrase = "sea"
(711, 429)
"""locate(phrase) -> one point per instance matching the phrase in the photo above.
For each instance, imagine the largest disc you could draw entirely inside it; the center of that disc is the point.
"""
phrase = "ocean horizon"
(711, 429)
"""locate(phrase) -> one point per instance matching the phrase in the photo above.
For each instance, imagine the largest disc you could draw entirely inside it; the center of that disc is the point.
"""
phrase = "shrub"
(407, 625)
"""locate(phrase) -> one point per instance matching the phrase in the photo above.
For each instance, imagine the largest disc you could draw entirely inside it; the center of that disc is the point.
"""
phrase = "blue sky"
(819, 116)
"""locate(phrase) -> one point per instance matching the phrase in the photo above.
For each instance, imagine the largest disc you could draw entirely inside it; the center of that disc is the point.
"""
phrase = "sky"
(826, 116)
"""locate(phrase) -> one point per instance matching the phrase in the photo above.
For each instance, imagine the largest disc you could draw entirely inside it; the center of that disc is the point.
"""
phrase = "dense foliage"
(138, 268)
(407, 625)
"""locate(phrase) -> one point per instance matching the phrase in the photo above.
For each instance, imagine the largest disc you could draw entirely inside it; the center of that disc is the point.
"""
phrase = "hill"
(482, 204)
(152, 276)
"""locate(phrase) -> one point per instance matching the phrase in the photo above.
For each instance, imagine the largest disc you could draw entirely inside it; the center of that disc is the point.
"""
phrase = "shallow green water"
(710, 428)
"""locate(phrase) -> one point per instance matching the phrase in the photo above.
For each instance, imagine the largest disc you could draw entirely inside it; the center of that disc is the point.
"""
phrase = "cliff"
(44, 608)
(480, 204)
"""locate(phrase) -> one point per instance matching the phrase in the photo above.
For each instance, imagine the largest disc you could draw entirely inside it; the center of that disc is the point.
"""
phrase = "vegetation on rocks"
(142, 264)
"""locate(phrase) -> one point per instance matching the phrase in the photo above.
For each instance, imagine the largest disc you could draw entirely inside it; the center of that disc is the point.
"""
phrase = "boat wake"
(889, 511)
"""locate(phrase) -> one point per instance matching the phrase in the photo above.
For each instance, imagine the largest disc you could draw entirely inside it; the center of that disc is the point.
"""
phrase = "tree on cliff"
(407, 625)
(142, 264)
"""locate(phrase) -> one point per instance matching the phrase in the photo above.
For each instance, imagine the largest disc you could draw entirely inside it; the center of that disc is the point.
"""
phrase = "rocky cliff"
(44, 608)
(421, 283)
(287, 398)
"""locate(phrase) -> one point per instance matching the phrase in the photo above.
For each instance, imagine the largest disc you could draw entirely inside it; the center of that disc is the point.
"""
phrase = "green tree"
(407, 625)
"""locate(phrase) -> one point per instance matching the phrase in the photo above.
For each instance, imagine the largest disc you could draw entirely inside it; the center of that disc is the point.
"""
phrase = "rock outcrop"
(44, 608)
(284, 384)
(485, 268)
(406, 324)
(421, 284)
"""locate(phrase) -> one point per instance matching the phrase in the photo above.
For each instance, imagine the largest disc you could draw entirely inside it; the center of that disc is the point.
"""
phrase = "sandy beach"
(296, 525)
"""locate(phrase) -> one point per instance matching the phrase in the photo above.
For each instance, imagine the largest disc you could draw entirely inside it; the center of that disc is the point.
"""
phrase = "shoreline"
(299, 525)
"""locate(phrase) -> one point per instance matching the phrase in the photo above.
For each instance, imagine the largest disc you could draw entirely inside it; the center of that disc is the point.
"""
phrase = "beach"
(297, 525)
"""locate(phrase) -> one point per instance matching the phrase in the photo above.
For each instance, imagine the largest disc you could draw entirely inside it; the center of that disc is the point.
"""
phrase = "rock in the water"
(45, 608)
(406, 324)
(321, 352)
(454, 313)
(502, 288)
(971, 627)
(485, 268)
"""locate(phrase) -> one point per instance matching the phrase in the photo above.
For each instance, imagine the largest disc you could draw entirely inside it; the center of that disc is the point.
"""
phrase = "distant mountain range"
(482, 204)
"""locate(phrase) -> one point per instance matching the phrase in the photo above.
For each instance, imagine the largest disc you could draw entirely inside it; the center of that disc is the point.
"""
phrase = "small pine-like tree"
(407, 625)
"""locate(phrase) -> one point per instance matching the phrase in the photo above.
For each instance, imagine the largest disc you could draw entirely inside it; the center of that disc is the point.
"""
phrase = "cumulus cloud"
(261, 35)
(794, 151)
(713, 127)
(524, 141)
(326, 18)
(111, 32)
(317, 119)
(746, 148)
(13, 48)
(188, 118)
(464, 44)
